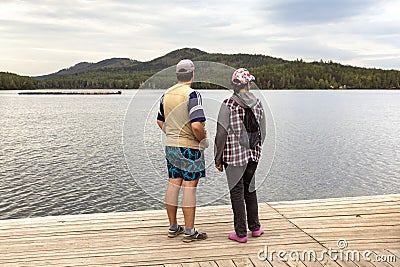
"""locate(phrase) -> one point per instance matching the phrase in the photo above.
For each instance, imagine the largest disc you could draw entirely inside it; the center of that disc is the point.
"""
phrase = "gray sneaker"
(194, 237)
(175, 233)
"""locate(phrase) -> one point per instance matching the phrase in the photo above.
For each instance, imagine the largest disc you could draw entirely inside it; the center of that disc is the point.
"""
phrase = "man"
(241, 131)
(181, 117)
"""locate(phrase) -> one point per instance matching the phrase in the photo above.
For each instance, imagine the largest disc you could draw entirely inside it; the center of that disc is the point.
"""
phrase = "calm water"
(87, 154)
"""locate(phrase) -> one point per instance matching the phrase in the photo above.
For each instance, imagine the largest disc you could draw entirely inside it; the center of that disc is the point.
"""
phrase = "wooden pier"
(369, 224)
(71, 93)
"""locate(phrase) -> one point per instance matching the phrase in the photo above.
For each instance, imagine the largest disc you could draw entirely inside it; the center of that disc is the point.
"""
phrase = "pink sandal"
(233, 236)
(257, 233)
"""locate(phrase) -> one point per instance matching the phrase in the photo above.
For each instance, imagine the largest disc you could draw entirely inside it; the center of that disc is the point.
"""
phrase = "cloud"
(44, 36)
(312, 50)
(316, 11)
(386, 62)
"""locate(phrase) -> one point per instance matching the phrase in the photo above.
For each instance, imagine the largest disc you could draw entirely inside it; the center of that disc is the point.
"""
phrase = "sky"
(43, 36)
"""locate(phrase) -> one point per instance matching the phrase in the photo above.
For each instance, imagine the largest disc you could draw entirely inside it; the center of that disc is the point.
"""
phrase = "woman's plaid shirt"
(235, 154)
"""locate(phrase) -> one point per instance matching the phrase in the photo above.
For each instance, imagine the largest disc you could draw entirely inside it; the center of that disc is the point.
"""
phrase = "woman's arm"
(263, 126)
(221, 135)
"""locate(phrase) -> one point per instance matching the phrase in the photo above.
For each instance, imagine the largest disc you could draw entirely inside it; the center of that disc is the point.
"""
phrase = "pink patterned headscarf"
(242, 76)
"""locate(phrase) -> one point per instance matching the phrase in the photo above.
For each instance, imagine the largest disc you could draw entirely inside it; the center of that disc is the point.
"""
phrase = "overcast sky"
(44, 36)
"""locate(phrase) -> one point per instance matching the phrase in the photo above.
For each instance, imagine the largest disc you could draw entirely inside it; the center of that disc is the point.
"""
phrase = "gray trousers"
(241, 182)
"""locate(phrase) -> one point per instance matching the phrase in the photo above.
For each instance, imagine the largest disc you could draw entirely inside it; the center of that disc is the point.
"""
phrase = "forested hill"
(11, 81)
(270, 73)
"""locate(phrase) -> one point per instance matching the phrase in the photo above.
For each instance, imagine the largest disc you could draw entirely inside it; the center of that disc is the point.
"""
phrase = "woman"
(238, 149)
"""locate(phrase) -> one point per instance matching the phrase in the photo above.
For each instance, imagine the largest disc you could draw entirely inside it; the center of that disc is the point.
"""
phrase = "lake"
(73, 154)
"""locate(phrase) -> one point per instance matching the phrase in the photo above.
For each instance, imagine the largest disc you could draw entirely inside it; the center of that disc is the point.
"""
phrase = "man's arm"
(196, 116)
(199, 131)
(161, 125)
(160, 116)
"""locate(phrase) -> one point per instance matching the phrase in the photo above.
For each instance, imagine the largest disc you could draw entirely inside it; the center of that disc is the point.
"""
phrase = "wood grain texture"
(139, 238)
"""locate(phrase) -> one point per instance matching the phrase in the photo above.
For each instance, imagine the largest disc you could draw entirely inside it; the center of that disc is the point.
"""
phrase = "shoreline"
(71, 93)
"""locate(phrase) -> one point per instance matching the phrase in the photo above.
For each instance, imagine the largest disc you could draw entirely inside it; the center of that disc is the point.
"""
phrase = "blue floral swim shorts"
(186, 163)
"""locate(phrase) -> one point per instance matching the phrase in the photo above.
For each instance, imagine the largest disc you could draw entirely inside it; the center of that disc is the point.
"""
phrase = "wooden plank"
(358, 199)
(395, 252)
(385, 258)
(331, 204)
(357, 210)
(202, 217)
(157, 237)
(202, 249)
(283, 209)
(346, 221)
(156, 233)
(191, 264)
(242, 262)
(83, 247)
(159, 233)
(107, 227)
(208, 264)
(324, 228)
(258, 263)
(107, 258)
(292, 263)
(225, 263)
(115, 243)
(365, 244)
(275, 261)
(363, 263)
(347, 264)
(378, 233)
(360, 211)
(312, 263)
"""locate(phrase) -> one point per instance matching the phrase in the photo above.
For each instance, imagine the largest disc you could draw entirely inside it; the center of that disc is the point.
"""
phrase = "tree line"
(99, 79)
(11, 81)
(324, 75)
(287, 75)
(270, 73)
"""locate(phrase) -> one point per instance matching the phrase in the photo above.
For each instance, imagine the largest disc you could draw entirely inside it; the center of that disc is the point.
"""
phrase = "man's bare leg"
(171, 199)
(189, 202)
(189, 211)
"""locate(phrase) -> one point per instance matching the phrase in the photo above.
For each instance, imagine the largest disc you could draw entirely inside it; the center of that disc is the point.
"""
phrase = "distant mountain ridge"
(86, 66)
(165, 61)
(270, 73)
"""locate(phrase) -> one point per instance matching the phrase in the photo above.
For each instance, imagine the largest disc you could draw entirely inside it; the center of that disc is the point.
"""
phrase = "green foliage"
(270, 73)
(323, 75)
(98, 79)
(11, 81)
